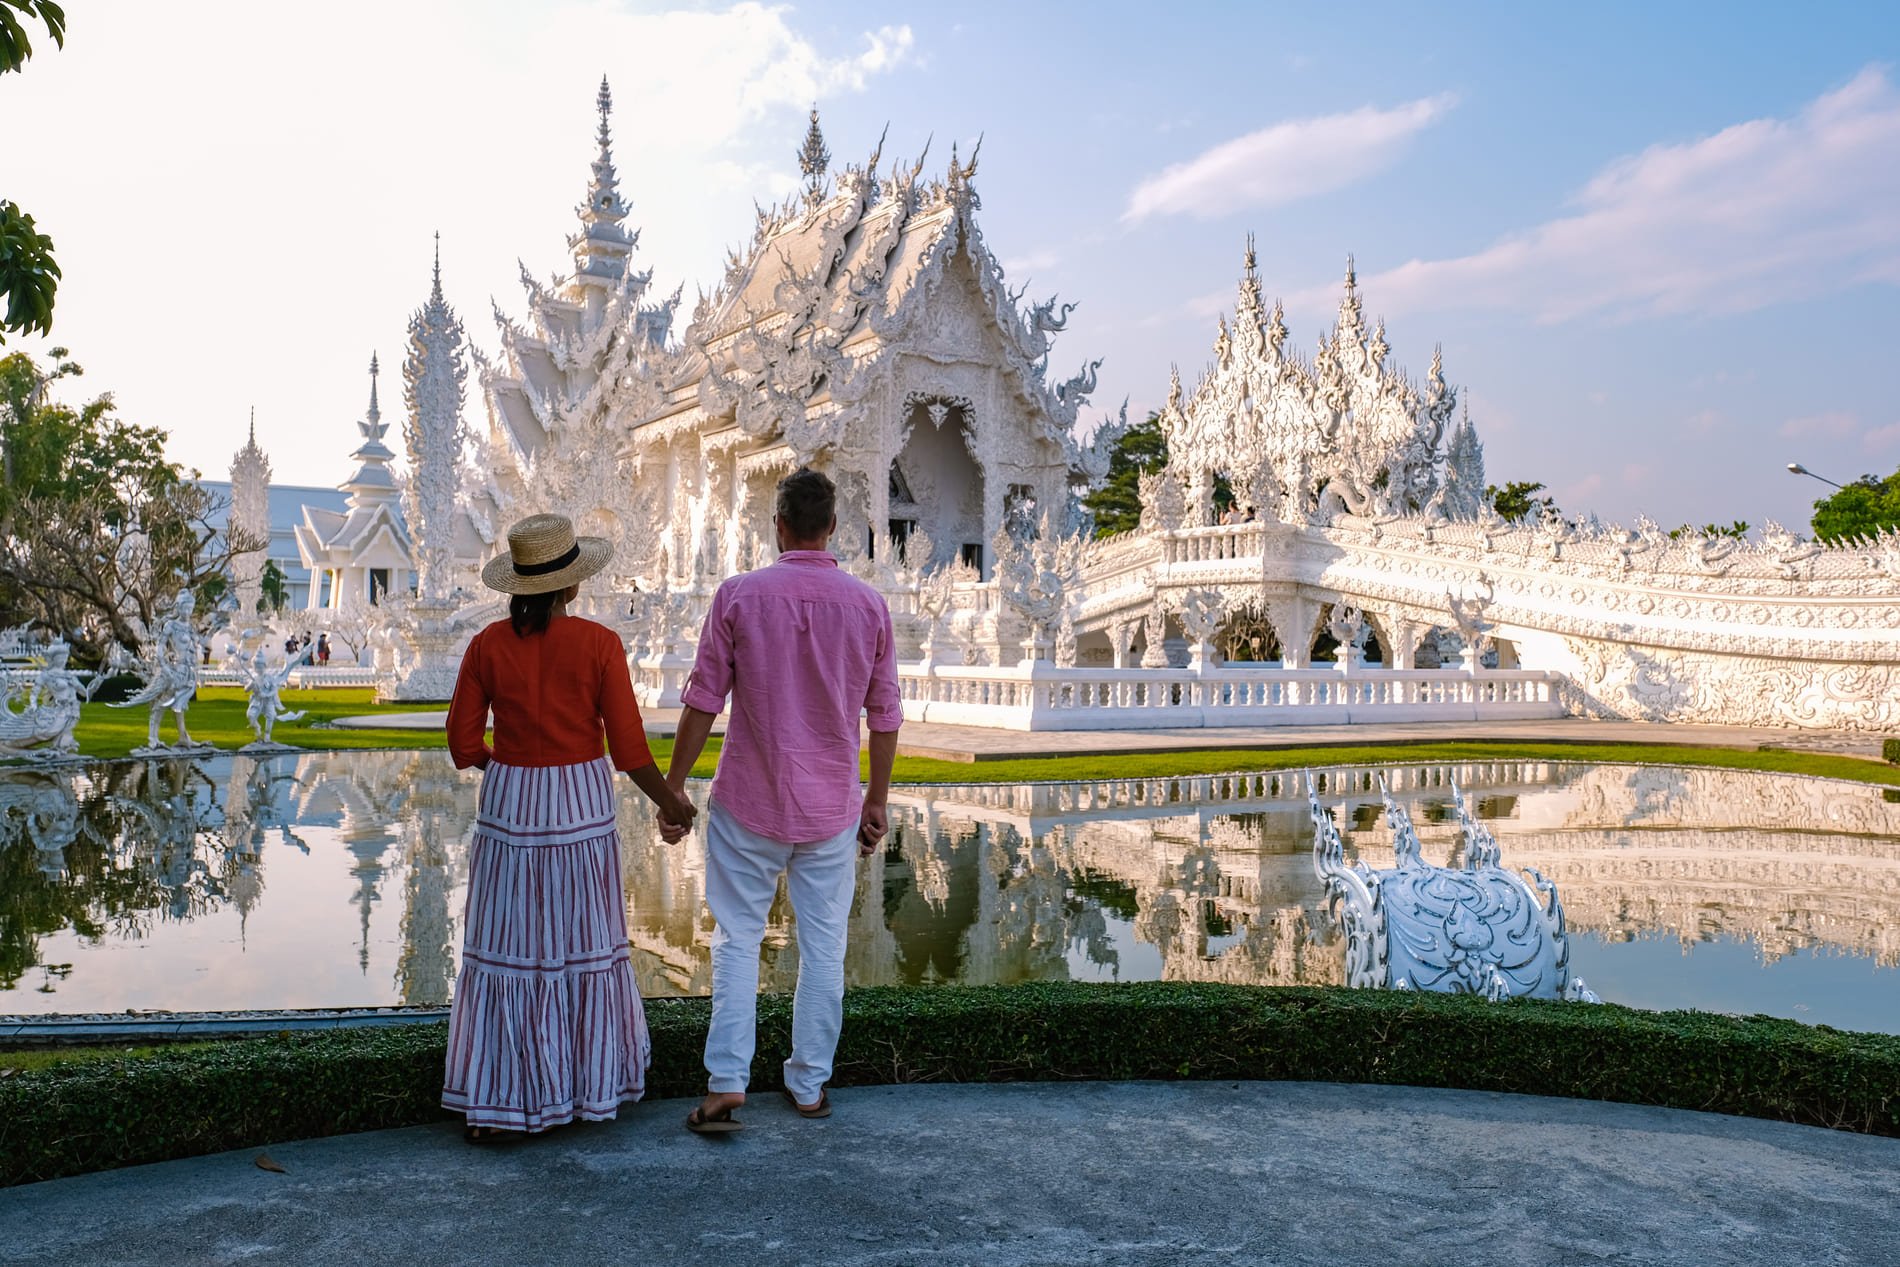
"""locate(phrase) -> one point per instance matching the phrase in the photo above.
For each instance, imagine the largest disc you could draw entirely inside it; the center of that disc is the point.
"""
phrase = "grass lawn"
(218, 717)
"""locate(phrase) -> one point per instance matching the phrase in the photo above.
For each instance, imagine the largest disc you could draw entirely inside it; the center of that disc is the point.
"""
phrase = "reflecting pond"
(335, 879)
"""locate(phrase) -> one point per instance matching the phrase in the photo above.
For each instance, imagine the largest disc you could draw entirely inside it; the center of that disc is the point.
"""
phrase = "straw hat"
(543, 555)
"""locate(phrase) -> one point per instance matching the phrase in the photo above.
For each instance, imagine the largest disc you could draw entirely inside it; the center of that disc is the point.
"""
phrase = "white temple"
(363, 553)
(868, 331)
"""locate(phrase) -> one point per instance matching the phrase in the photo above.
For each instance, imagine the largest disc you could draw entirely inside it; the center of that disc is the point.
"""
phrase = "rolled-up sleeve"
(711, 679)
(467, 724)
(883, 702)
(619, 712)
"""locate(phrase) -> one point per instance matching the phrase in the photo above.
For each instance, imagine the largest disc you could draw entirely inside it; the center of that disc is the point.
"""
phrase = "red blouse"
(556, 695)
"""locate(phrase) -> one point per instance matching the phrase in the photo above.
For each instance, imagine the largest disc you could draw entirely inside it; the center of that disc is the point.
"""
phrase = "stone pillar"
(1121, 636)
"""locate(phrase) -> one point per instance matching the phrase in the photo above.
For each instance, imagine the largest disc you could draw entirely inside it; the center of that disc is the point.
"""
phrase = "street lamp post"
(1795, 468)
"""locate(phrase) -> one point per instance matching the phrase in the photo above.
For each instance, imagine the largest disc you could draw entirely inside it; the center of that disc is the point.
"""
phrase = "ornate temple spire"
(372, 482)
(814, 160)
(1248, 310)
(250, 513)
(435, 388)
(602, 246)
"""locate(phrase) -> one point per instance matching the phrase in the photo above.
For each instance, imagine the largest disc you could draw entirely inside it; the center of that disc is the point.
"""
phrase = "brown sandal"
(810, 1112)
(724, 1124)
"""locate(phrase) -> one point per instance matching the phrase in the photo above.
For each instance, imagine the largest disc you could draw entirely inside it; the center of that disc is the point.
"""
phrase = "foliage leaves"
(1518, 500)
(28, 275)
(97, 529)
(98, 1114)
(1117, 503)
(1862, 509)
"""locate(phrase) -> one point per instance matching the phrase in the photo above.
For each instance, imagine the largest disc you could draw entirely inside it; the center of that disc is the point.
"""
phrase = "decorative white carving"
(1476, 929)
(171, 677)
(434, 375)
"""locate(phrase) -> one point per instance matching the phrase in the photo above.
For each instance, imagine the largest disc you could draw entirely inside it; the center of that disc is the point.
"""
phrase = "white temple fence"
(314, 677)
(1042, 696)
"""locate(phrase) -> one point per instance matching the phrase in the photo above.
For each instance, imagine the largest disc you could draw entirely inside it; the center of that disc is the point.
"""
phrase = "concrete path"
(977, 743)
(1000, 1176)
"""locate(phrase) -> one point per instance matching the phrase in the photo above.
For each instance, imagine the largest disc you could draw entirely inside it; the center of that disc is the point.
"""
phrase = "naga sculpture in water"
(1475, 929)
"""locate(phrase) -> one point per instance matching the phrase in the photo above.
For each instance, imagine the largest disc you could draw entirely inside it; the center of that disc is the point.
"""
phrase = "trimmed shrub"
(1890, 751)
(118, 688)
(97, 1114)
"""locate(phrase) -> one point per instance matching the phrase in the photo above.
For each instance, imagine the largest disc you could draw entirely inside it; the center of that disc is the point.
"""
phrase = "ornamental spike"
(375, 412)
(604, 100)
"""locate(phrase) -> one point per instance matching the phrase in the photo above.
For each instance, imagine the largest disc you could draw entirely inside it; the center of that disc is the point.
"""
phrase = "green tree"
(1117, 503)
(97, 530)
(1862, 509)
(275, 587)
(1518, 501)
(1737, 530)
(28, 275)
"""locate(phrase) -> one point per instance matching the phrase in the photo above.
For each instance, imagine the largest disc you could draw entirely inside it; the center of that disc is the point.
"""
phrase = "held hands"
(874, 823)
(676, 815)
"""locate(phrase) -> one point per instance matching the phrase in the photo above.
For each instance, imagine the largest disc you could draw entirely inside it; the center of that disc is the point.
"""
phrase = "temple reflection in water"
(331, 879)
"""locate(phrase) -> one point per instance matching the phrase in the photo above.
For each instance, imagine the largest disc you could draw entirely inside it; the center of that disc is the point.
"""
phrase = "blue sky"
(1660, 243)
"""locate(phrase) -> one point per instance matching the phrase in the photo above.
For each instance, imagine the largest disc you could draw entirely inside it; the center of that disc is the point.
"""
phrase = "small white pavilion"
(363, 551)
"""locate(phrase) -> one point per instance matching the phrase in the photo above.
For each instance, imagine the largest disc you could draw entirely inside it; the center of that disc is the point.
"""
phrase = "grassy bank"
(92, 1114)
(218, 718)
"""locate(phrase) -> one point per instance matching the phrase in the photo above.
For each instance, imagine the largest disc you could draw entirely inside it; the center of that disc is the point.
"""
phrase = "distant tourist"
(323, 648)
(547, 1023)
(803, 649)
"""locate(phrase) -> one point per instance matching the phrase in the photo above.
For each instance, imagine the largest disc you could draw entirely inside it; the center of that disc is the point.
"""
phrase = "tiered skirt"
(546, 1024)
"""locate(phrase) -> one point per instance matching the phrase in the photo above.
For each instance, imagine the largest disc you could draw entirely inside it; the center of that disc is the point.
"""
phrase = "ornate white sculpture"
(434, 375)
(1478, 929)
(171, 668)
(1035, 577)
(266, 707)
(48, 700)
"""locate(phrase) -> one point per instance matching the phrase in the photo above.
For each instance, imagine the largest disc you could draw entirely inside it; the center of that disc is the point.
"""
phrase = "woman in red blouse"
(547, 1024)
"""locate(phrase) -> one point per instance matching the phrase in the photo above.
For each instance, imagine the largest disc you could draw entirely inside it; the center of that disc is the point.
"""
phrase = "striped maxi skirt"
(546, 1024)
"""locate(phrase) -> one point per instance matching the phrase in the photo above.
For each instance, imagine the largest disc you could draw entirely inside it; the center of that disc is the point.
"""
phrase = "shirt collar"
(809, 558)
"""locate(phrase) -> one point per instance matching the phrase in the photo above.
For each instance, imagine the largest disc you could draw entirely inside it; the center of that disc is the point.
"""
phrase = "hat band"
(552, 565)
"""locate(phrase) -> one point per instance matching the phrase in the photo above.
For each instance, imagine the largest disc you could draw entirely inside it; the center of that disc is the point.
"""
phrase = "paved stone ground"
(1010, 1176)
(977, 743)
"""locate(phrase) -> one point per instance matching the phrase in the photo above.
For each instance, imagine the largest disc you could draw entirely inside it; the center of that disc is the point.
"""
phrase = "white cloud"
(1703, 421)
(1833, 425)
(1020, 267)
(1759, 213)
(1285, 162)
(1882, 438)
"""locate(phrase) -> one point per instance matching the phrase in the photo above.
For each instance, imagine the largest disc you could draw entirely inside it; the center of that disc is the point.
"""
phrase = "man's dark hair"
(807, 502)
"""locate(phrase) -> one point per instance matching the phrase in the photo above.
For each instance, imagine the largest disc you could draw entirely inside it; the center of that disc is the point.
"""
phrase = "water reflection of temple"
(1204, 879)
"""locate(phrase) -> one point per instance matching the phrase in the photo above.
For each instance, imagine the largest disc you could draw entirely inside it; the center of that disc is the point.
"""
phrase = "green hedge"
(1890, 750)
(96, 1114)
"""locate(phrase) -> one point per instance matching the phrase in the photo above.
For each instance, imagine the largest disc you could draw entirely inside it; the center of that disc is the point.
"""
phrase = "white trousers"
(742, 871)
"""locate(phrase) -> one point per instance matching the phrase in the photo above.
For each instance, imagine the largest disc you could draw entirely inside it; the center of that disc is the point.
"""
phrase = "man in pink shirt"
(803, 648)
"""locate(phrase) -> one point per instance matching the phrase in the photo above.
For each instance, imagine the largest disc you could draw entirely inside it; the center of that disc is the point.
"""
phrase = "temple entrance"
(936, 486)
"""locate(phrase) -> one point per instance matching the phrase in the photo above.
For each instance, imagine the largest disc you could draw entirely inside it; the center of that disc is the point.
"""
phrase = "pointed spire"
(435, 293)
(375, 413)
(814, 160)
(252, 442)
(1352, 277)
(602, 246)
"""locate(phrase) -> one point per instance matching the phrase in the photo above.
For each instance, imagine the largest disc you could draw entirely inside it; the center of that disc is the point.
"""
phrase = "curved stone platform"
(1113, 1173)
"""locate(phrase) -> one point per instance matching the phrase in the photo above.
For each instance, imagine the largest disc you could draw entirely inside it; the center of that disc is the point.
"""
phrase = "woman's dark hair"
(530, 613)
(807, 503)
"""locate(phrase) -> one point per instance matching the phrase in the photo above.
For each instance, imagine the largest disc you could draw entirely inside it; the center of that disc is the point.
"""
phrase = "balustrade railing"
(1045, 697)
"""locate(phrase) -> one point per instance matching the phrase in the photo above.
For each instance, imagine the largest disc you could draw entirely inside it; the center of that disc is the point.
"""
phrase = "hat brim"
(499, 573)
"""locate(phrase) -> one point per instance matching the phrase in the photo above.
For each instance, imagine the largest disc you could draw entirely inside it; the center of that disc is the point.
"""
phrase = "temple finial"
(814, 159)
(436, 292)
(253, 425)
(1249, 260)
(1352, 277)
(604, 99)
(375, 411)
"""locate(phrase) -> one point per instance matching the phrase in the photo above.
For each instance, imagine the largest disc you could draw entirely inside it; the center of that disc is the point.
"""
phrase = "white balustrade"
(1044, 697)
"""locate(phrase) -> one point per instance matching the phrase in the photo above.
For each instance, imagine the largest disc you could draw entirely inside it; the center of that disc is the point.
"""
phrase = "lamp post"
(1795, 468)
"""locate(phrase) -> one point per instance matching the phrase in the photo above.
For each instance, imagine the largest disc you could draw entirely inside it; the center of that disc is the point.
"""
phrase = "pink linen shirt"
(803, 648)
